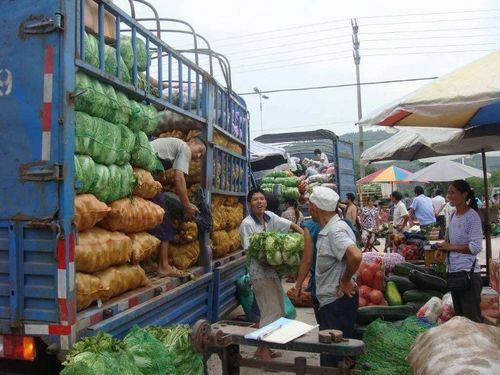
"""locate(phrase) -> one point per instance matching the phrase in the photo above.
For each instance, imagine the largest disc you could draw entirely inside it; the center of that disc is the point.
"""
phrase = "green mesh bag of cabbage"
(110, 61)
(282, 251)
(143, 117)
(127, 53)
(143, 155)
(106, 183)
(105, 142)
(101, 100)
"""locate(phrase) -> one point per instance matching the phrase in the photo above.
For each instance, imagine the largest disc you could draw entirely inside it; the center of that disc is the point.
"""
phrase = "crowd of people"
(331, 255)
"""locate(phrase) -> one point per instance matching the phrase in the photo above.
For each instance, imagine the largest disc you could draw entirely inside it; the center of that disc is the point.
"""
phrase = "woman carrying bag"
(463, 242)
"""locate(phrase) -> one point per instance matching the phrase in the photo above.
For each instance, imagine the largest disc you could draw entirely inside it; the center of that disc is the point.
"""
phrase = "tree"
(368, 169)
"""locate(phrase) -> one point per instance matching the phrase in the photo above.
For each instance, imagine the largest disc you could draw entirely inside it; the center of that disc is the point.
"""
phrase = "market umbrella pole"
(487, 226)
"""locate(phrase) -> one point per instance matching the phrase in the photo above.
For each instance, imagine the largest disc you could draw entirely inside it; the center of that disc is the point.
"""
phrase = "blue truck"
(303, 144)
(41, 50)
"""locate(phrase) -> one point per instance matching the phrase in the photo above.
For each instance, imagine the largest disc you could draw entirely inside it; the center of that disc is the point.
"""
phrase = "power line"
(284, 60)
(295, 64)
(291, 51)
(428, 52)
(428, 21)
(430, 37)
(430, 30)
(431, 13)
(283, 29)
(291, 44)
(283, 36)
(345, 19)
(338, 86)
(434, 46)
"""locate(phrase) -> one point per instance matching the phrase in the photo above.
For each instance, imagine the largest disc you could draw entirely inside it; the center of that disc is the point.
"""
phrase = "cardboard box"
(494, 267)
(92, 21)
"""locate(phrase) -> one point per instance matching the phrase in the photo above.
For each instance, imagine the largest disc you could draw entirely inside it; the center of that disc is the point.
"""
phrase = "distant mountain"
(371, 138)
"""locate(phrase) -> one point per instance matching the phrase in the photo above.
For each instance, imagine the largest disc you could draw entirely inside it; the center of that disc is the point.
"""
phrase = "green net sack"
(123, 111)
(143, 155)
(121, 182)
(101, 187)
(127, 53)
(91, 49)
(105, 142)
(128, 180)
(126, 146)
(386, 337)
(143, 117)
(111, 63)
(85, 173)
(96, 99)
(149, 353)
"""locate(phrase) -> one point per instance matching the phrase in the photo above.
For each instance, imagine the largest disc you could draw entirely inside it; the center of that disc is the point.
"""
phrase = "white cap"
(324, 198)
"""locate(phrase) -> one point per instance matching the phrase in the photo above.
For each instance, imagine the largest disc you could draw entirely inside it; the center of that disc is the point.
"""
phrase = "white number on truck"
(5, 82)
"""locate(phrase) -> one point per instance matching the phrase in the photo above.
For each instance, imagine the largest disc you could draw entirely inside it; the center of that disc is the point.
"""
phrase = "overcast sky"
(279, 44)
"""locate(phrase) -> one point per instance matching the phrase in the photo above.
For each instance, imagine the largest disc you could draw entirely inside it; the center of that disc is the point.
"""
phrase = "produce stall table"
(225, 337)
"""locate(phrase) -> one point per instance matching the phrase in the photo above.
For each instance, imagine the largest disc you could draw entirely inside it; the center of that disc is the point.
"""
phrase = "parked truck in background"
(41, 50)
(303, 144)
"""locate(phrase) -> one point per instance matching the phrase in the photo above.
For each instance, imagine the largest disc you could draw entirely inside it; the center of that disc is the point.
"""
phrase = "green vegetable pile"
(177, 339)
(99, 355)
(387, 345)
(144, 351)
(282, 251)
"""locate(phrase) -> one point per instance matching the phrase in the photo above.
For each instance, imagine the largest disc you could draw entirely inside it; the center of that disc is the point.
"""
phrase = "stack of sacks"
(103, 254)
(227, 215)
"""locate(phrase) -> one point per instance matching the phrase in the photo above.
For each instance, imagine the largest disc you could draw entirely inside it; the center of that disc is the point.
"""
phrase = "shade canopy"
(419, 143)
(445, 170)
(390, 174)
(465, 98)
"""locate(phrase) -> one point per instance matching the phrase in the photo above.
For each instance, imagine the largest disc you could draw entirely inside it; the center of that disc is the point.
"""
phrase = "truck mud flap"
(185, 304)
(225, 287)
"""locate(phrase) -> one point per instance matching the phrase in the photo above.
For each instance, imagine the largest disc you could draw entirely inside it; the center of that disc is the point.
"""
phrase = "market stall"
(464, 105)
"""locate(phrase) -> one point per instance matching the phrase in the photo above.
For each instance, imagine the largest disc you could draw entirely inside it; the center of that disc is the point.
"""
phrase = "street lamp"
(261, 96)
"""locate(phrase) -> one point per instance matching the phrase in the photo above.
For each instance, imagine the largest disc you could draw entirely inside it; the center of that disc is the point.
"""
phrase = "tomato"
(374, 267)
(362, 302)
(376, 297)
(378, 280)
(367, 277)
(364, 291)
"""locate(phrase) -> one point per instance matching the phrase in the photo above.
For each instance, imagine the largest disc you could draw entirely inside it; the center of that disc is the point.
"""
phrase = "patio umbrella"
(446, 170)
(390, 174)
(467, 98)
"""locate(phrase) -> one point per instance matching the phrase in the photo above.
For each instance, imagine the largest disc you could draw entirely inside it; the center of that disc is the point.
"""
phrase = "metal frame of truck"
(41, 49)
(302, 144)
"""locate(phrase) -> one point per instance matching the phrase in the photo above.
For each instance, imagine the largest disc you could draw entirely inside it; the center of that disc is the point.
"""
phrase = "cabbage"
(149, 353)
(280, 250)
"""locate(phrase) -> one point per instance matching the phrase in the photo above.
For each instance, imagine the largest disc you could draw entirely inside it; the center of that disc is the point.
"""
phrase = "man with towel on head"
(337, 260)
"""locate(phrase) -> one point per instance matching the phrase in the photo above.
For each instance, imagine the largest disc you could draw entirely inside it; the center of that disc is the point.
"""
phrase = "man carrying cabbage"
(264, 277)
(175, 153)
(337, 260)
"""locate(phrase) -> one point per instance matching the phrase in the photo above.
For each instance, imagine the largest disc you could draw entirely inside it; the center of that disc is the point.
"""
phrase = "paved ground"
(306, 315)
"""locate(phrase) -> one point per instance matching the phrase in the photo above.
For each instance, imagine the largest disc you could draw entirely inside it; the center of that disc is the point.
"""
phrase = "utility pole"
(357, 59)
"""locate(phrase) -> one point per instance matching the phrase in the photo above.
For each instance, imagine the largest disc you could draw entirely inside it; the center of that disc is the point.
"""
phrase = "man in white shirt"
(265, 280)
(438, 203)
(400, 216)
